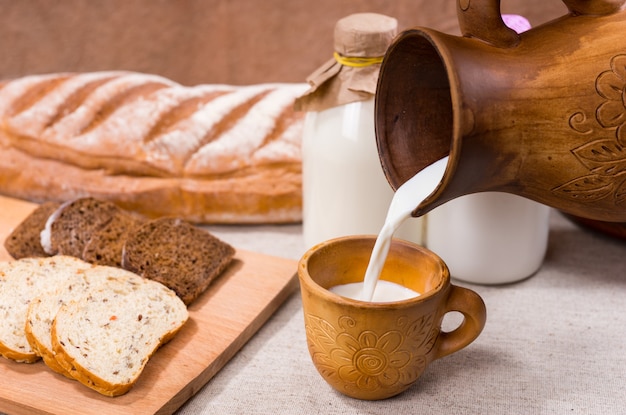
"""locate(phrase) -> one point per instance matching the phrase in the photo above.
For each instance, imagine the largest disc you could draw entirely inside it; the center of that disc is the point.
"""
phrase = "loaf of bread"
(206, 153)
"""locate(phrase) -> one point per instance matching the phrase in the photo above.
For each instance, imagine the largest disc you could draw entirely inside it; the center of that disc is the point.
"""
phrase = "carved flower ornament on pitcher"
(605, 157)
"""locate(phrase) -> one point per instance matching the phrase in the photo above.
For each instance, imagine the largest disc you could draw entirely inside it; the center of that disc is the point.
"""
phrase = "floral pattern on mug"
(362, 359)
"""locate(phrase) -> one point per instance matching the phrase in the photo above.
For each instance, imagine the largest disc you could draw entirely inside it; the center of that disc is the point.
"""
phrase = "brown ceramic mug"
(370, 350)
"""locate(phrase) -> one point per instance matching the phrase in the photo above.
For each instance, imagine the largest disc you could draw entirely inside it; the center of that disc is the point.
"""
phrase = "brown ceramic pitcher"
(540, 114)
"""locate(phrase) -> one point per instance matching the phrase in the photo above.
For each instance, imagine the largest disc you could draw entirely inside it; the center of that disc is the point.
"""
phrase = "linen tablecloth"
(554, 343)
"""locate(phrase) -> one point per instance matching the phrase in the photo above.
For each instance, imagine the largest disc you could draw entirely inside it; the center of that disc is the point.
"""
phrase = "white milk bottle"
(345, 191)
(490, 238)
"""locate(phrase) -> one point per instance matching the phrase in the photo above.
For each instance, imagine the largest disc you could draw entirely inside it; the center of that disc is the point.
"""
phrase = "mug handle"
(472, 306)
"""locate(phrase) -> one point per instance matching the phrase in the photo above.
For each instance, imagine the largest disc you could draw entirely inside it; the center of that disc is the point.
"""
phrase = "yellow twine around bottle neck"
(357, 62)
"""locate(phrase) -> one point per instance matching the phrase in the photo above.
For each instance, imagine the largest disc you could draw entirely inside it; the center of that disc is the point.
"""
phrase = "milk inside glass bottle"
(490, 238)
(345, 191)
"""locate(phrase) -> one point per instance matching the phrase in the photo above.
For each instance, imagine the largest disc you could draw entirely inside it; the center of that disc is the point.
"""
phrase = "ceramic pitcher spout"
(541, 114)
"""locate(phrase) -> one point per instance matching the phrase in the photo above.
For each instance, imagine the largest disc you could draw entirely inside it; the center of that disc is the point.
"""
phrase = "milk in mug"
(386, 291)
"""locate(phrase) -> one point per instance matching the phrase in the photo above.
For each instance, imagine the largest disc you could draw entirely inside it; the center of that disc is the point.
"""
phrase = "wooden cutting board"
(221, 321)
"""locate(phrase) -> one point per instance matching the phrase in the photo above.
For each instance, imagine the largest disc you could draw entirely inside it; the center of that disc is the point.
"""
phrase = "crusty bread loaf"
(25, 240)
(43, 309)
(177, 254)
(104, 340)
(21, 281)
(208, 153)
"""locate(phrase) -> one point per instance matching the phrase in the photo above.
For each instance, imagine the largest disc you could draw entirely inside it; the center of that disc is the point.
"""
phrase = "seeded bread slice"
(105, 245)
(70, 227)
(105, 339)
(21, 281)
(177, 254)
(43, 309)
(25, 240)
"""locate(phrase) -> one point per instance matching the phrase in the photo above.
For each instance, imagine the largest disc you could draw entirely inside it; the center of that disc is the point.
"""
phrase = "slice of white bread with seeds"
(43, 309)
(40, 315)
(105, 338)
(20, 282)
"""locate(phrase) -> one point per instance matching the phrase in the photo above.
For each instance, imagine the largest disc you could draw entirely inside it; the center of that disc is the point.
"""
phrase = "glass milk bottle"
(345, 191)
(490, 238)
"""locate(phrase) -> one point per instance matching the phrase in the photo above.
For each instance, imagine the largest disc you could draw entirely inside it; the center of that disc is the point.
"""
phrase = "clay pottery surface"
(370, 350)
(539, 114)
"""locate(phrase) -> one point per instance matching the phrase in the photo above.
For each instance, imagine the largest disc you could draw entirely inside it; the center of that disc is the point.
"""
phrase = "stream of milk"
(404, 201)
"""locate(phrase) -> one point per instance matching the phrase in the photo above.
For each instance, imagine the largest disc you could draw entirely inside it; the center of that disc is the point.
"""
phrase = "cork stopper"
(360, 42)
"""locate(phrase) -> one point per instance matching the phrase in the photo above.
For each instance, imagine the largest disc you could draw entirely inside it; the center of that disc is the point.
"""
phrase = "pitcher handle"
(482, 19)
(472, 306)
(591, 7)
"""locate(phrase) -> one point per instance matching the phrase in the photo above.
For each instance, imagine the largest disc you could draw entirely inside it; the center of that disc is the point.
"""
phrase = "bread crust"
(42, 351)
(267, 196)
(17, 356)
(89, 379)
(74, 313)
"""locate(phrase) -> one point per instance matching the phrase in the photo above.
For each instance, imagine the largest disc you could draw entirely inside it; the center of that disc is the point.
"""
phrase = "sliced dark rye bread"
(106, 243)
(177, 254)
(25, 240)
(70, 227)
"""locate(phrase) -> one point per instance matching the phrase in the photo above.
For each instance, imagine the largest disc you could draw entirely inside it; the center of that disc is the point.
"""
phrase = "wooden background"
(204, 41)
